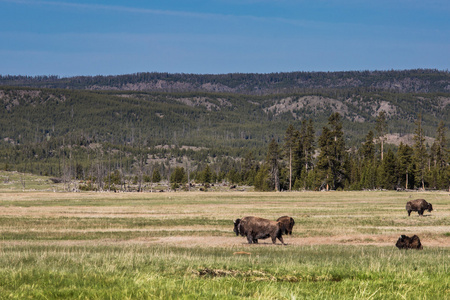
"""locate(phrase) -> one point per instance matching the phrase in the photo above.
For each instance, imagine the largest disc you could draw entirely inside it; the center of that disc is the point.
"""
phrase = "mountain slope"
(205, 119)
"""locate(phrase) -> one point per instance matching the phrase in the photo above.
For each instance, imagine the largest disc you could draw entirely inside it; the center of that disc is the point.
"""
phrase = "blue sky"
(70, 38)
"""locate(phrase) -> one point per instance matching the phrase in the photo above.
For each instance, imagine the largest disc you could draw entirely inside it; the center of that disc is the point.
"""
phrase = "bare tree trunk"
(290, 169)
(406, 186)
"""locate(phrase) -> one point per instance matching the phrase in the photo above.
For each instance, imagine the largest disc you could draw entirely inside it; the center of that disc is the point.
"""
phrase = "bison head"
(430, 207)
(291, 225)
(236, 226)
(402, 242)
(288, 224)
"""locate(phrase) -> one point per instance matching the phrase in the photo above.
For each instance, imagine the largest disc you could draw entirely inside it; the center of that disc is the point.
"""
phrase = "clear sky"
(112, 37)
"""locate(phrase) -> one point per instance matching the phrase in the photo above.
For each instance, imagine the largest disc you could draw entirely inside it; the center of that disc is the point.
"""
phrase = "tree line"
(418, 80)
(296, 164)
(301, 160)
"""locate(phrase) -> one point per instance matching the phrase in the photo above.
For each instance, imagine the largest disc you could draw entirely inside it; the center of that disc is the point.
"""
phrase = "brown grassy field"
(206, 219)
(181, 245)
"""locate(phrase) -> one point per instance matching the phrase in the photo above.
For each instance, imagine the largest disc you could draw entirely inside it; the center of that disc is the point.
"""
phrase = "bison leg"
(274, 240)
(249, 238)
(421, 212)
(255, 241)
(409, 213)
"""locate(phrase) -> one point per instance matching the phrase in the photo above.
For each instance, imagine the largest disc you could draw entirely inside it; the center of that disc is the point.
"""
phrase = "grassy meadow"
(181, 245)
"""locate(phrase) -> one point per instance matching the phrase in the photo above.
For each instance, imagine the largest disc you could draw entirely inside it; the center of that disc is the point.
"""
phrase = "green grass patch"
(113, 246)
(317, 272)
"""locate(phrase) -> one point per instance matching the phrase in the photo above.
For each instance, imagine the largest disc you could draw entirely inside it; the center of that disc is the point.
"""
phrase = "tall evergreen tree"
(439, 159)
(307, 136)
(420, 152)
(389, 171)
(304, 153)
(368, 148)
(249, 169)
(405, 165)
(332, 155)
(440, 152)
(178, 176)
(290, 138)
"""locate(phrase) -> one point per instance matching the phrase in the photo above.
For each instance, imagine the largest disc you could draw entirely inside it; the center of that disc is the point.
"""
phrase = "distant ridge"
(403, 81)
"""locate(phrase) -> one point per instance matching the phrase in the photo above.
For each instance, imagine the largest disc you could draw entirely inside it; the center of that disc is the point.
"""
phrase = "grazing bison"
(419, 205)
(288, 224)
(406, 242)
(255, 228)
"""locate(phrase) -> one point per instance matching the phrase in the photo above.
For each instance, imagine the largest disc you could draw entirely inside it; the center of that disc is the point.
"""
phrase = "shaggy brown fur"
(255, 228)
(419, 205)
(288, 224)
(406, 242)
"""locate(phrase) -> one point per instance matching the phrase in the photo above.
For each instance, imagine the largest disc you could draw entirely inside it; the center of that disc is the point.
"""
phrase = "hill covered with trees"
(406, 81)
(110, 130)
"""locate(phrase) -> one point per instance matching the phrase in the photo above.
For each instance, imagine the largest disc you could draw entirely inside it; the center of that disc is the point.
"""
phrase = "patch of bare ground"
(241, 242)
(407, 139)
(291, 104)
(360, 239)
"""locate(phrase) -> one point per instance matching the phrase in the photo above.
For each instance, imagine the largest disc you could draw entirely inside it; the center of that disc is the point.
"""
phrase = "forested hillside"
(407, 81)
(108, 130)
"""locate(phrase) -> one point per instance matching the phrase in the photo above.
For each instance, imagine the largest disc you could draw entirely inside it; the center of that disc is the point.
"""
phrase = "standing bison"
(419, 205)
(255, 228)
(288, 224)
(406, 242)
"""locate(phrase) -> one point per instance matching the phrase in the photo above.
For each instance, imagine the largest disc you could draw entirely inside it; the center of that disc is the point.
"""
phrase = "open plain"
(182, 245)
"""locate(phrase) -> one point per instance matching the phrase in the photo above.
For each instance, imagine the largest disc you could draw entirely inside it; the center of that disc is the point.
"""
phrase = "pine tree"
(440, 151)
(368, 148)
(249, 169)
(290, 138)
(307, 137)
(389, 171)
(332, 155)
(405, 165)
(420, 152)
(206, 175)
(439, 158)
(156, 176)
(303, 157)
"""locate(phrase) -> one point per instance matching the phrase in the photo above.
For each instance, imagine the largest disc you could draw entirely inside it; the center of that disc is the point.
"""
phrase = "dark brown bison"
(255, 228)
(406, 242)
(288, 224)
(419, 205)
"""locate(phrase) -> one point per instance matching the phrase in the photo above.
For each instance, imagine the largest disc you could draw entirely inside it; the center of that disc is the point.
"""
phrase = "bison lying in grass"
(419, 205)
(255, 228)
(406, 242)
(288, 224)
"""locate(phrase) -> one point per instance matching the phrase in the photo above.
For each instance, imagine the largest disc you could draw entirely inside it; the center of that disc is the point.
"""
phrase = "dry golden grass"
(206, 219)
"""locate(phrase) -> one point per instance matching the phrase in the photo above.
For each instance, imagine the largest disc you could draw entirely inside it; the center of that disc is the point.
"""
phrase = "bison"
(288, 224)
(406, 242)
(255, 228)
(419, 205)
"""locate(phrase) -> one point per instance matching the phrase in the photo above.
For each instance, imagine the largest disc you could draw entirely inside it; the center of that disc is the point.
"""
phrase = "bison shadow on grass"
(255, 228)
